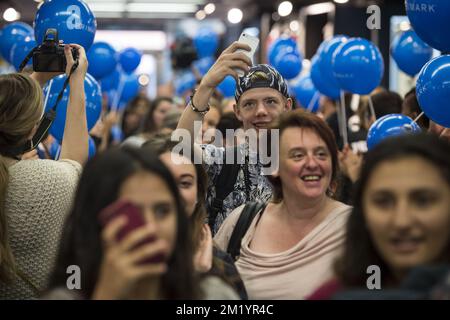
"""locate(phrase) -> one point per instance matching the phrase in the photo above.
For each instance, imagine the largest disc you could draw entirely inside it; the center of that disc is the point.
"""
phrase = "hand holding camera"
(50, 55)
(52, 58)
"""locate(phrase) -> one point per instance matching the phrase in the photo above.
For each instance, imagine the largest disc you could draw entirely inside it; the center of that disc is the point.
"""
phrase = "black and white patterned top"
(259, 186)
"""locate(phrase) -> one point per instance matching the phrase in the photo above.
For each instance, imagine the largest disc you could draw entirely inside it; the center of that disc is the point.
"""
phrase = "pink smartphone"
(135, 219)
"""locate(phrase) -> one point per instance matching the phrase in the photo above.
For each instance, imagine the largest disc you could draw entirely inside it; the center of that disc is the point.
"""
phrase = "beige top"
(38, 199)
(296, 272)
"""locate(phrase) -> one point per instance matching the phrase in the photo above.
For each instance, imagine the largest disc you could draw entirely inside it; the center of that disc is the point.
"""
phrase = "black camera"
(49, 56)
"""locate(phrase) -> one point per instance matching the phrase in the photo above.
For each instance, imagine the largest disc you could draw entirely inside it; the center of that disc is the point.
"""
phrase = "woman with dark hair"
(290, 245)
(401, 214)
(133, 115)
(151, 121)
(192, 181)
(111, 268)
(154, 118)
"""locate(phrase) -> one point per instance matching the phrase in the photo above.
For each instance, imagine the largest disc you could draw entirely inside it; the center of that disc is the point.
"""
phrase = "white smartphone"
(253, 43)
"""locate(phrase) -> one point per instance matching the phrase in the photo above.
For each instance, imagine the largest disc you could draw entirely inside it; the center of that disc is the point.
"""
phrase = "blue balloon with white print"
(73, 19)
(430, 20)
(93, 103)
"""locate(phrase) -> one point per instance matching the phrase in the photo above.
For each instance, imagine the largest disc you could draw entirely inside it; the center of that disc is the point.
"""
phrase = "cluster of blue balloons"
(349, 64)
(410, 52)
(103, 60)
(284, 55)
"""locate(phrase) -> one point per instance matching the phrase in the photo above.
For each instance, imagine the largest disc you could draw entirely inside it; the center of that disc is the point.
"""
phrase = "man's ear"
(237, 112)
(288, 105)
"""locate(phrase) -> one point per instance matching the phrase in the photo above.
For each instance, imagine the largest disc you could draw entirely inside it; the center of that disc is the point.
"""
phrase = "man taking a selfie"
(261, 96)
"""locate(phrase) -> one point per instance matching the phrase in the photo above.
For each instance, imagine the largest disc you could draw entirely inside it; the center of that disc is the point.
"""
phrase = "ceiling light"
(11, 14)
(294, 25)
(235, 15)
(210, 8)
(285, 8)
(144, 80)
(200, 15)
(320, 8)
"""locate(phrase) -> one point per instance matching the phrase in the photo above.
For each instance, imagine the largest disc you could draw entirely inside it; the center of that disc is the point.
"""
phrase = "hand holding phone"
(134, 220)
(253, 43)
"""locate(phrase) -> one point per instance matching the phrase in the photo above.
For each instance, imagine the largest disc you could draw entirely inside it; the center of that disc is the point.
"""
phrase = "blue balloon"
(331, 90)
(325, 62)
(11, 34)
(111, 81)
(73, 19)
(184, 82)
(305, 92)
(288, 62)
(277, 45)
(92, 148)
(433, 90)
(20, 50)
(129, 59)
(206, 42)
(227, 87)
(102, 60)
(430, 19)
(358, 66)
(390, 125)
(410, 52)
(130, 88)
(204, 64)
(93, 103)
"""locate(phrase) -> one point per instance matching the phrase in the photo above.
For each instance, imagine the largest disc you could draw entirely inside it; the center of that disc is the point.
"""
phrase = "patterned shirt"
(260, 187)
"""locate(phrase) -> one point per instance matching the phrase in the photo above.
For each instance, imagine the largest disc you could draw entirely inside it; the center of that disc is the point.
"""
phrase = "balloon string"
(344, 119)
(372, 109)
(115, 104)
(313, 101)
(418, 117)
(339, 117)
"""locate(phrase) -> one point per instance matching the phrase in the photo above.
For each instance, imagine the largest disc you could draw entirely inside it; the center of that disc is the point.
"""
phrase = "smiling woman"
(401, 218)
(290, 245)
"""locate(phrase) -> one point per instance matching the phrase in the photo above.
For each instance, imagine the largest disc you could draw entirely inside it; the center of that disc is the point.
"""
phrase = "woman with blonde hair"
(36, 195)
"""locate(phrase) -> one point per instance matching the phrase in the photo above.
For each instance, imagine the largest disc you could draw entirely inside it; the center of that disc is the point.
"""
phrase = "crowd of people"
(296, 215)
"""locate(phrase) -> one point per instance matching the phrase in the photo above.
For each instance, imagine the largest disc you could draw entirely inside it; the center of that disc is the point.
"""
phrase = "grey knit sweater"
(38, 199)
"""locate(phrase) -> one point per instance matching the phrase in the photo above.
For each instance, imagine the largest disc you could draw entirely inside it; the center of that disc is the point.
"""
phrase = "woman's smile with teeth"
(311, 178)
